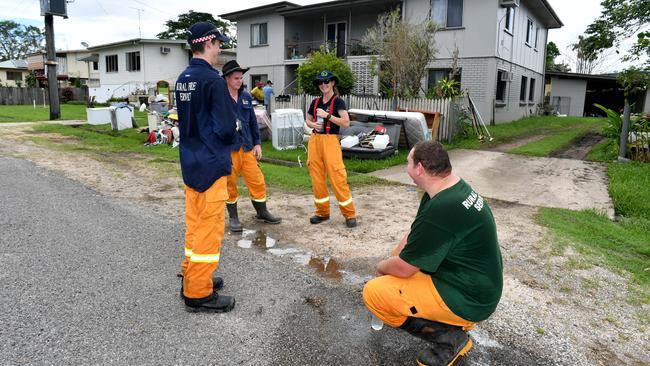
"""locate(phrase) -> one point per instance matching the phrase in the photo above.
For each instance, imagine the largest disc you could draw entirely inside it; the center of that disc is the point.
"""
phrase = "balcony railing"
(302, 50)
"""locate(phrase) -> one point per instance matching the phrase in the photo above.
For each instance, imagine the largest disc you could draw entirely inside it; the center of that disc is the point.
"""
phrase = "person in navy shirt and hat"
(246, 151)
(207, 123)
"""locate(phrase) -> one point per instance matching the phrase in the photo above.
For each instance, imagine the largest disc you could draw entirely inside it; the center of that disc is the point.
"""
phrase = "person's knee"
(371, 292)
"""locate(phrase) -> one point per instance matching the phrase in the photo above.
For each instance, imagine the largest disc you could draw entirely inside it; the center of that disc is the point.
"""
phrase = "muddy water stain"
(325, 266)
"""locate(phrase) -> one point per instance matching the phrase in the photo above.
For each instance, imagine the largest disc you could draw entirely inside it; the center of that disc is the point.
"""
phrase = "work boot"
(318, 219)
(264, 215)
(214, 303)
(217, 284)
(351, 222)
(233, 218)
(448, 342)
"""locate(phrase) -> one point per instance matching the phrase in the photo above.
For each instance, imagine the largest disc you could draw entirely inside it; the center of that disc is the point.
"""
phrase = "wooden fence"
(22, 96)
(448, 124)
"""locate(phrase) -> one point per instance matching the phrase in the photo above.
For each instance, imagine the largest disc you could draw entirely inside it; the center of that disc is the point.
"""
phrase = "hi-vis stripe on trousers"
(326, 159)
(204, 220)
(245, 164)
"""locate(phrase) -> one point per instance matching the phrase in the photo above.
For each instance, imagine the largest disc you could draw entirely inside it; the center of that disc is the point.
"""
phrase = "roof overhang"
(572, 75)
(90, 58)
(548, 16)
(264, 9)
(136, 41)
(335, 5)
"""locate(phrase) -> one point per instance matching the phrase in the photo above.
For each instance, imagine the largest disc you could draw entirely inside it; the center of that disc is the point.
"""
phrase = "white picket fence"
(448, 121)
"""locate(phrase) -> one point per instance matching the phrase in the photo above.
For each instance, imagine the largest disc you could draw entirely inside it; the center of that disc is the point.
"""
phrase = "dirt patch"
(580, 146)
(577, 314)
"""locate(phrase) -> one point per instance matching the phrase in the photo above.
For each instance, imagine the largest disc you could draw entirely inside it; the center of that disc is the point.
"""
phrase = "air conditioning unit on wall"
(506, 76)
(509, 3)
(165, 50)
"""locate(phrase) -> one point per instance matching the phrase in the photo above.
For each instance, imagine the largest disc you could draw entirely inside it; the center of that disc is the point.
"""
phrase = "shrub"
(324, 60)
(67, 95)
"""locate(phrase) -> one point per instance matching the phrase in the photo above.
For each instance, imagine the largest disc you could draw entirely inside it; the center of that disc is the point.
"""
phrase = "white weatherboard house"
(135, 66)
(501, 45)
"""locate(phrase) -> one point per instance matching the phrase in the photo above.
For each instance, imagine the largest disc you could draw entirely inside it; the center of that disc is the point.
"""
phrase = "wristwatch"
(329, 115)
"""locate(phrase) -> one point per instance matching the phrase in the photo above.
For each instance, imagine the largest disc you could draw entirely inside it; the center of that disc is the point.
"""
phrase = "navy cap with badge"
(325, 76)
(204, 31)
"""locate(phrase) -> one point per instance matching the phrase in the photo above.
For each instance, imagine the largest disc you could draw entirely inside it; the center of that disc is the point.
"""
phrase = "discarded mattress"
(414, 123)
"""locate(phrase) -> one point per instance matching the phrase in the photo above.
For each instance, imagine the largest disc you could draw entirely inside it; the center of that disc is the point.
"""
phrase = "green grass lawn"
(27, 113)
(550, 144)
(623, 246)
(98, 141)
(531, 126)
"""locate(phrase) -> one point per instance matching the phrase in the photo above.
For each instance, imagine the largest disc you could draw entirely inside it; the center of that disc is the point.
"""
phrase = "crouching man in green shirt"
(446, 273)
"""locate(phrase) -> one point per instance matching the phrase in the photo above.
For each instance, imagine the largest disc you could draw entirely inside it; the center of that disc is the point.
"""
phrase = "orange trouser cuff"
(325, 159)
(391, 299)
(204, 218)
(246, 165)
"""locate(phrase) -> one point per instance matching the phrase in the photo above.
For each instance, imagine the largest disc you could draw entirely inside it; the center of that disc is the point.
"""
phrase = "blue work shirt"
(249, 134)
(207, 124)
(268, 91)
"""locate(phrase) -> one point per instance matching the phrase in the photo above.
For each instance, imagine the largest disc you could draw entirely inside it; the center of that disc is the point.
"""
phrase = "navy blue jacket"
(207, 123)
(249, 134)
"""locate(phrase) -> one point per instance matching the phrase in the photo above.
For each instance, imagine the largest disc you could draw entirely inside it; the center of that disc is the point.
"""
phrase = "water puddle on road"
(324, 266)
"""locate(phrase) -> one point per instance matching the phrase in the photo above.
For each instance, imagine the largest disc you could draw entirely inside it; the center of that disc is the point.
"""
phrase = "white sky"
(102, 21)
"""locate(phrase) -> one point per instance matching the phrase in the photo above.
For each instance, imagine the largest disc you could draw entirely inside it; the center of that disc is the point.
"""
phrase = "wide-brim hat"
(232, 66)
(204, 31)
(324, 76)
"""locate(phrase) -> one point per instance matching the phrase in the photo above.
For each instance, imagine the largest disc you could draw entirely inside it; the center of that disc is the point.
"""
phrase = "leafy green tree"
(17, 40)
(30, 80)
(324, 60)
(176, 28)
(619, 21)
(403, 52)
(552, 52)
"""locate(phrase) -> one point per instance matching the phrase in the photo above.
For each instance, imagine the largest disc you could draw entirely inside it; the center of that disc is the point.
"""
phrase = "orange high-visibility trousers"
(245, 164)
(325, 159)
(393, 299)
(205, 224)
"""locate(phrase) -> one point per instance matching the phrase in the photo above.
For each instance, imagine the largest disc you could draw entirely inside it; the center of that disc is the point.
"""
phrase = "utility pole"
(139, 11)
(55, 108)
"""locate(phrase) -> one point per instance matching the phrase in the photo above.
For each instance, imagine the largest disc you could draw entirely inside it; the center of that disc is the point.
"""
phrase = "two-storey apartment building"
(135, 66)
(500, 43)
(70, 66)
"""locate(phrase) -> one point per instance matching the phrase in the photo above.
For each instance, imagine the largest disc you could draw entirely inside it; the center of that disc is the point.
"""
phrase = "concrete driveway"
(535, 181)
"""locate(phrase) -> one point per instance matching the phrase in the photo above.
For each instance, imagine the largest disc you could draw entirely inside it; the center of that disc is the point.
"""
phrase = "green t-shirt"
(454, 239)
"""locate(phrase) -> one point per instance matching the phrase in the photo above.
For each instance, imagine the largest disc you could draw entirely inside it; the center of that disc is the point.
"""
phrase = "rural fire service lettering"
(473, 200)
(186, 90)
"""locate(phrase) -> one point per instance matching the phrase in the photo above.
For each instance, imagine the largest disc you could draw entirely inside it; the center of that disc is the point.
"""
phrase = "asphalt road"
(89, 280)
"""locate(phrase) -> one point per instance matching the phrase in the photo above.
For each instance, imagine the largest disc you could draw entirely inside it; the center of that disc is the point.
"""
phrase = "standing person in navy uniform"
(326, 115)
(207, 124)
(246, 151)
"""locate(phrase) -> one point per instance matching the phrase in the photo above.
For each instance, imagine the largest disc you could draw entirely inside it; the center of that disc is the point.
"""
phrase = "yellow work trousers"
(393, 299)
(324, 159)
(204, 221)
(245, 164)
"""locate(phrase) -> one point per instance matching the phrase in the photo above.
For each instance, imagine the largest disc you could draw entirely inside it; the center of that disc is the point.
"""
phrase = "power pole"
(55, 108)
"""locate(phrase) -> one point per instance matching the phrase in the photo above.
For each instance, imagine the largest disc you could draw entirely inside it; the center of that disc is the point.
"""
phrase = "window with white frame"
(15, 75)
(259, 34)
(510, 20)
(536, 36)
(529, 32)
(95, 65)
(501, 86)
(447, 13)
(133, 61)
(531, 93)
(111, 63)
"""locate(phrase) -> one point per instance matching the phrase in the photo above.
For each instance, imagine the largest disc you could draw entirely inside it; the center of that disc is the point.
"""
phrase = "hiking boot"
(214, 303)
(351, 222)
(217, 284)
(318, 219)
(448, 342)
(233, 218)
(264, 215)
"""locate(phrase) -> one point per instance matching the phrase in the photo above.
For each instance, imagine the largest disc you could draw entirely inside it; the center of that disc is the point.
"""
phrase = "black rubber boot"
(264, 215)
(233, 218)
(217, 284)
(448, 342)
(318, 219)
(214, 303)
(351, 222)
